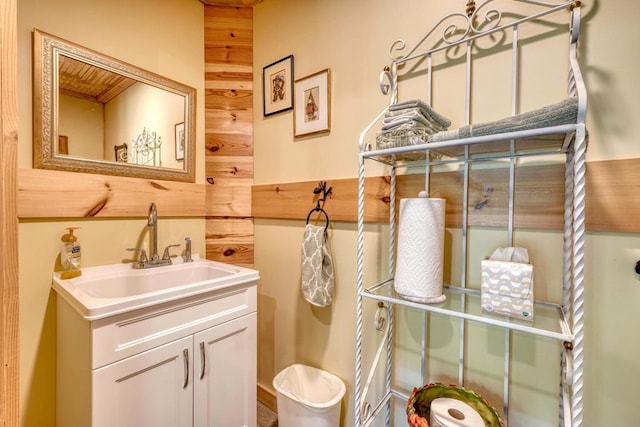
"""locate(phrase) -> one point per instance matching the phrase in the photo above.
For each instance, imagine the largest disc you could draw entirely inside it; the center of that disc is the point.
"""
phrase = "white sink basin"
(112, 289)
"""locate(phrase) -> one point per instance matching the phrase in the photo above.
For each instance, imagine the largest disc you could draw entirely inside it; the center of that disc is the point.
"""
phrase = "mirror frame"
(46, 49)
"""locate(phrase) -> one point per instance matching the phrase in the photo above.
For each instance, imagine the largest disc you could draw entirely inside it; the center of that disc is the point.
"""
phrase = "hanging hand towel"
(317, 266)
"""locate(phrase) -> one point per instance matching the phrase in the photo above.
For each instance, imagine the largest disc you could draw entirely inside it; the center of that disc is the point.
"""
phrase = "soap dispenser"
(70, 255)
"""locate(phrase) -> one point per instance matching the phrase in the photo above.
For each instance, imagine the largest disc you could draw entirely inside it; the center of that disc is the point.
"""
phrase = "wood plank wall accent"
(45, 194)
(612, 202)
(246, 3)
(229, 133)
(9, 340)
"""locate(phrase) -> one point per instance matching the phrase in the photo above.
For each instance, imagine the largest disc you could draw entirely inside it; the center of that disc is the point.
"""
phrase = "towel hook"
(321, 188)
(316, 209)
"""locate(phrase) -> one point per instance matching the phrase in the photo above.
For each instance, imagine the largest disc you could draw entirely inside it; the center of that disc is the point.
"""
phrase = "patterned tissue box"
(507, 288)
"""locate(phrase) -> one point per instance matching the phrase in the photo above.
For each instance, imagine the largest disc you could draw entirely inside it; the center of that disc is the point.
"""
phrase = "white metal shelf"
(532, 142)
(548, 321)
(563, 322)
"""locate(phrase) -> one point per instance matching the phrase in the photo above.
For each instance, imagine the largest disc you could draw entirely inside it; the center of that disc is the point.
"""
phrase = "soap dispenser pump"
(70, 255)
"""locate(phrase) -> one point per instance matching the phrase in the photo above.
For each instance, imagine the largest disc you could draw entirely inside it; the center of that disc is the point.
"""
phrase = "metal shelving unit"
(562, 322)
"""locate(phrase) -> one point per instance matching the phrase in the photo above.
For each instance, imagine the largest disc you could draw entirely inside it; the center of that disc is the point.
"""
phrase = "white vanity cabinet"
(225, 374)
(188, 362)
(154, 388)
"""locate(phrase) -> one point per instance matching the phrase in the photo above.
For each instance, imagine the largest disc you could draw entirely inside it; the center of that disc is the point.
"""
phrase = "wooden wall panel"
(248, 3)
(229, 26)
(613, 201)
(45, 194)
(230, 166)
(230, 240)
(9, 339)
(539, 198)
(229, 198)
(295, 200)
(229, 133)
(232, 144)
(612, 204)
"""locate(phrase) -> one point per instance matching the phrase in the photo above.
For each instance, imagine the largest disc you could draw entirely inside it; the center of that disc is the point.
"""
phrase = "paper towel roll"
(446, 412)
(420, 254)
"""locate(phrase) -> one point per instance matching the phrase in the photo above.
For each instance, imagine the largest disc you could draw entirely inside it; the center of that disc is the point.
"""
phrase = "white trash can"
(308, 397)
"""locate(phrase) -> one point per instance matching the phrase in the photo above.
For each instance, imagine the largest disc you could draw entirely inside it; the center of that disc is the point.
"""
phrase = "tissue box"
(507, 288)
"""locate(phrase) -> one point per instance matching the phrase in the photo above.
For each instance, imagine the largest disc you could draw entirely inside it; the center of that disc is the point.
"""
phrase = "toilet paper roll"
(420, 254)
(446, 412)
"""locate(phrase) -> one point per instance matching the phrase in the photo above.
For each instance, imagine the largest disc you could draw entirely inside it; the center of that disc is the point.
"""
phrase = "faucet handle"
(143, 254)
(187, 249)
(166, 255)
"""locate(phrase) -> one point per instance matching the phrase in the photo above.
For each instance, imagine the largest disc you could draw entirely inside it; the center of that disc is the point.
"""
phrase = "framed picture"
(121, 152)
(277, 83)
(180, 141)
(63, 144)
(312, 104)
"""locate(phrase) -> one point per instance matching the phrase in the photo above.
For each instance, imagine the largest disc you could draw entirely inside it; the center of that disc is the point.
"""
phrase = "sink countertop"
(107, 290)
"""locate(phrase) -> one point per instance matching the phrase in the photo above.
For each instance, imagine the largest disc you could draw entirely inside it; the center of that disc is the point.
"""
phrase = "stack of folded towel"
(414, 114)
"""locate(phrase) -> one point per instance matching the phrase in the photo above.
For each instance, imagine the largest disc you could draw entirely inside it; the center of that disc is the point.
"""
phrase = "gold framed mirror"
(96, 114)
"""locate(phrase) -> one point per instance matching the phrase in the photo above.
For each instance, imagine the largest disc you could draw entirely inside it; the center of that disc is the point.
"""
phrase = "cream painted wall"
(125, 121)
(166, 38)
(85, 124)
(352, 39)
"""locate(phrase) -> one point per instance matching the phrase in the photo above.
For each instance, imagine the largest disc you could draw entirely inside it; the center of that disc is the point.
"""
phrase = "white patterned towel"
(317, 266)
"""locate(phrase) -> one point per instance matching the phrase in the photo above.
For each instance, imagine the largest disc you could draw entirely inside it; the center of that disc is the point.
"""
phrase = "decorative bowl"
(419, 404)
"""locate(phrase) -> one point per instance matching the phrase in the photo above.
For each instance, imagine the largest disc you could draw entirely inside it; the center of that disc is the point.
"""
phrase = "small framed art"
(312, 104)
(179, 129)
(277, 83)
(63, 144)
(121, 152)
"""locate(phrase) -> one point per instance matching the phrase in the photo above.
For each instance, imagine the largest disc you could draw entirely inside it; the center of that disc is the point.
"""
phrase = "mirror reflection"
(93, 113)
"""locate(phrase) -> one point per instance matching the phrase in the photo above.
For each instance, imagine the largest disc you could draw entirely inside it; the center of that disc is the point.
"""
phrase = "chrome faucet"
(154, 260)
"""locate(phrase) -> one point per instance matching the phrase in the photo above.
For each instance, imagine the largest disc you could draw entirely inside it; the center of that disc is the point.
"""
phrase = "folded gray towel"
(395, 113)
(390, 124)
(446, 135)
(426, 110)
(561, 113)
(411, 114)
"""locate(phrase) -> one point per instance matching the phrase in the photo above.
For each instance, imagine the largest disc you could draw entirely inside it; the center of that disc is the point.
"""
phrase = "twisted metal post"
(392, 262)
(577, 307)
(579, 185)
(360, 270)
(567, 265)
(359, 285)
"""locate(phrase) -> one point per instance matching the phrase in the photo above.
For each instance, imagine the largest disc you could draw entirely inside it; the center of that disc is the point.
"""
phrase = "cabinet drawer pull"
(203, 358)
(185, 355)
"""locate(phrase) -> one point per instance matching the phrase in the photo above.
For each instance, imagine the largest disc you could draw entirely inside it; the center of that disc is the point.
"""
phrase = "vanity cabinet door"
(153, 388)
(226, 374)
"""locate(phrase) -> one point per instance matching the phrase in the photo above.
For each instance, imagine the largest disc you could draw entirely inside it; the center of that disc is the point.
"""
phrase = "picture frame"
(179, 140)
(63, 144)
(121, 153)
(312, 104)
(277, 84)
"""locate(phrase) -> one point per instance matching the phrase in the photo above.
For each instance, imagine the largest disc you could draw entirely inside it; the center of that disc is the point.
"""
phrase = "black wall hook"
(321, 188)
